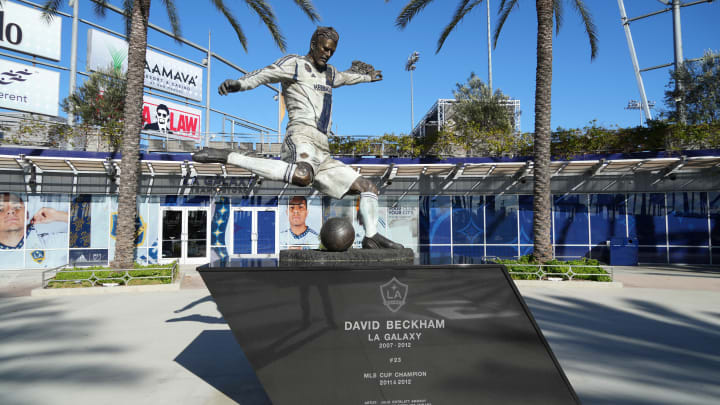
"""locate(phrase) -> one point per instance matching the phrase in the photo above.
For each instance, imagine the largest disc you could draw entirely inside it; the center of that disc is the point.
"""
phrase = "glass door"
(255, 231)
(197, 231)
(172, 226)
(184, 235)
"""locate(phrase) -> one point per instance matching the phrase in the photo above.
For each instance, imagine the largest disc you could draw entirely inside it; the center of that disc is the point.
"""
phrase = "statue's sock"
(268, 168)
(369, 212)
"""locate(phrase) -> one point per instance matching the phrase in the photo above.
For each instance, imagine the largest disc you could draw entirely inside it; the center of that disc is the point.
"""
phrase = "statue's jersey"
(307, 91)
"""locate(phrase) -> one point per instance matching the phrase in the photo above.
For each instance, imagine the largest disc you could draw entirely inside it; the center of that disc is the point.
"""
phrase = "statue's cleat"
(378, 241)
(211, 155)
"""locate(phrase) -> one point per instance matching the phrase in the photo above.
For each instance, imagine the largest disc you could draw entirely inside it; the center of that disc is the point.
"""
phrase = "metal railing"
(106, 277)
(549, 271)
(553, 271)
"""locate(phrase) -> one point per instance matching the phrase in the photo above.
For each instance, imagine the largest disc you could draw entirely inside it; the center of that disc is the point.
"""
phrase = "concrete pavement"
(656, 341)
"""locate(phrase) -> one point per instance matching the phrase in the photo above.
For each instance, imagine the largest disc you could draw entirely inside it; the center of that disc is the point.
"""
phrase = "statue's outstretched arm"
(359, 72)
(281, 70)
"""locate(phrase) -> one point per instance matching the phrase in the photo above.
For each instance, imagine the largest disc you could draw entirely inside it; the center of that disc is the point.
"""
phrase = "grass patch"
(79, 277)
(593, 270)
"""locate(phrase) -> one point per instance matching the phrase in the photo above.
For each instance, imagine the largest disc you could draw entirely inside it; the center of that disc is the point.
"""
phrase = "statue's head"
(322, 46)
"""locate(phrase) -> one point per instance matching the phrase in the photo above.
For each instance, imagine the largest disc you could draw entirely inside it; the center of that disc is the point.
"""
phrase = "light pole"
(410, 67)
(489, 49)
(637, 105)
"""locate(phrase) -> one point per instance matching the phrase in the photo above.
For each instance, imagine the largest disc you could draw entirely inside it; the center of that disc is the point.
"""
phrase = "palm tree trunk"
(542, 250)
(129, 165)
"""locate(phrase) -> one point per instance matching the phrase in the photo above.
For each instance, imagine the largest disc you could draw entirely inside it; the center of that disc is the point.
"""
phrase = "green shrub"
(85, 276)
(563, 267)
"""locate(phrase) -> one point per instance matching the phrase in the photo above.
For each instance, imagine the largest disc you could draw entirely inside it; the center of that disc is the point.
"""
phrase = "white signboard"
(161, 72)
(172, 120)
(28, 88)
(23, 29)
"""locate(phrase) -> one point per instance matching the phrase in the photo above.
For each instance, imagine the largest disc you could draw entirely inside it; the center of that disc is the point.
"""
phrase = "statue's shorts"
(306, 144)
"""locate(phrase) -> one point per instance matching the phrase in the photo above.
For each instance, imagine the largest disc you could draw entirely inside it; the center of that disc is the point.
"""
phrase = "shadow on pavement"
(40, 345)
(674, 357)
(216, 357)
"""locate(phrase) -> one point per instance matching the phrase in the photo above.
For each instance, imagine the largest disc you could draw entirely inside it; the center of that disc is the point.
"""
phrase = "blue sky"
(582, 90)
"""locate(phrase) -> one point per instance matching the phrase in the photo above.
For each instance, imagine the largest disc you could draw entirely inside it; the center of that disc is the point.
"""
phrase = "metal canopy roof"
(86, 172)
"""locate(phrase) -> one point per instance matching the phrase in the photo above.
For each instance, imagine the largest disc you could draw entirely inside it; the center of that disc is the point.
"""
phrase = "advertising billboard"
(161, 72)
(23, 29)
(174, 121)
(28, 88)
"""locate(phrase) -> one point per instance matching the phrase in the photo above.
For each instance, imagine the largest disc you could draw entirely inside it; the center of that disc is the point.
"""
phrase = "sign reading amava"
(23, 29)
(175, 121)
(28, 88)
(161, 72)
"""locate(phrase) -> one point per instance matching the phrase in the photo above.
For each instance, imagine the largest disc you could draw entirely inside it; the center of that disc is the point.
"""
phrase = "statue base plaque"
(388, 335)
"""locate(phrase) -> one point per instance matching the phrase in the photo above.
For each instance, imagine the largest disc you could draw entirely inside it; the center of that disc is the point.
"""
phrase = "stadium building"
(59, 206)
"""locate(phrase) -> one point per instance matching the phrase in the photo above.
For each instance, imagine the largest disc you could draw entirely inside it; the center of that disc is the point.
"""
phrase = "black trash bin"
(623, 251)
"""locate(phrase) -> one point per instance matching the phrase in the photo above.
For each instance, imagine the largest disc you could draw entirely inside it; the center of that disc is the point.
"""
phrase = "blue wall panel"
(525, 213)
(436, 254)
(571, 219)
(501, 219)
(691, 255)
(183, 201)
(652, 255)
(254, 201)
(526, 250)
(687, 219)
(503, 252)
(607, 217)
(435, 220)
(571, 252)
(468, 254)
(648, 211)
(467, 220)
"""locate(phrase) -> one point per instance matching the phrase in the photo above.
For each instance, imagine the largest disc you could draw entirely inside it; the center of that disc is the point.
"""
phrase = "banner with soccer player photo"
(300, 222)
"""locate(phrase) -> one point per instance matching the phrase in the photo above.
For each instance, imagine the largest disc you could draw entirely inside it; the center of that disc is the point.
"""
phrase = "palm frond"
(99, 7)
(220, 5)
(127, 10)
(309, 9)
(409, 11)
(590, 27)
(263, 10)
(504, 10)
(50, 9)
(558, 11)
(173, 17)
(460, 13)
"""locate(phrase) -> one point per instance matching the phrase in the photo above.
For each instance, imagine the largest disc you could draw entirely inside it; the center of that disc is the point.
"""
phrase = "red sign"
(171, 120)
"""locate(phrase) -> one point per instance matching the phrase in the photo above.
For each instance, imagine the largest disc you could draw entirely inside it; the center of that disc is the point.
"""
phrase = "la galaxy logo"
(394, 294)
(38, 256)
(140, 228)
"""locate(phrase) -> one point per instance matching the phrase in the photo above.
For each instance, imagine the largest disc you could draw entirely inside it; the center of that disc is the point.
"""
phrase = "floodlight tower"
(410, 67)
(638, 105)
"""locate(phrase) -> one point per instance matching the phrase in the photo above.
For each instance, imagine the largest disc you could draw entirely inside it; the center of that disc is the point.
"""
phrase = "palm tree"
(546, 10)
(137, 13)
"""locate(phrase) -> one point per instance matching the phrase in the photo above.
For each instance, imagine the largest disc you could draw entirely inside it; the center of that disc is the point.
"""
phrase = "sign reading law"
(175, 121)
(161, 72)
(28, 88)
(397, 334)
(23, 29)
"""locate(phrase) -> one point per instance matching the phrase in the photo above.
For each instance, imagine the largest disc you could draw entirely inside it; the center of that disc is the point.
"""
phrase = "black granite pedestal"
(370, 334)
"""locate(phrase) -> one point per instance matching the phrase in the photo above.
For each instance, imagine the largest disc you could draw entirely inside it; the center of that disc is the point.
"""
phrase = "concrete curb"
(61, 292)
(568, 284)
